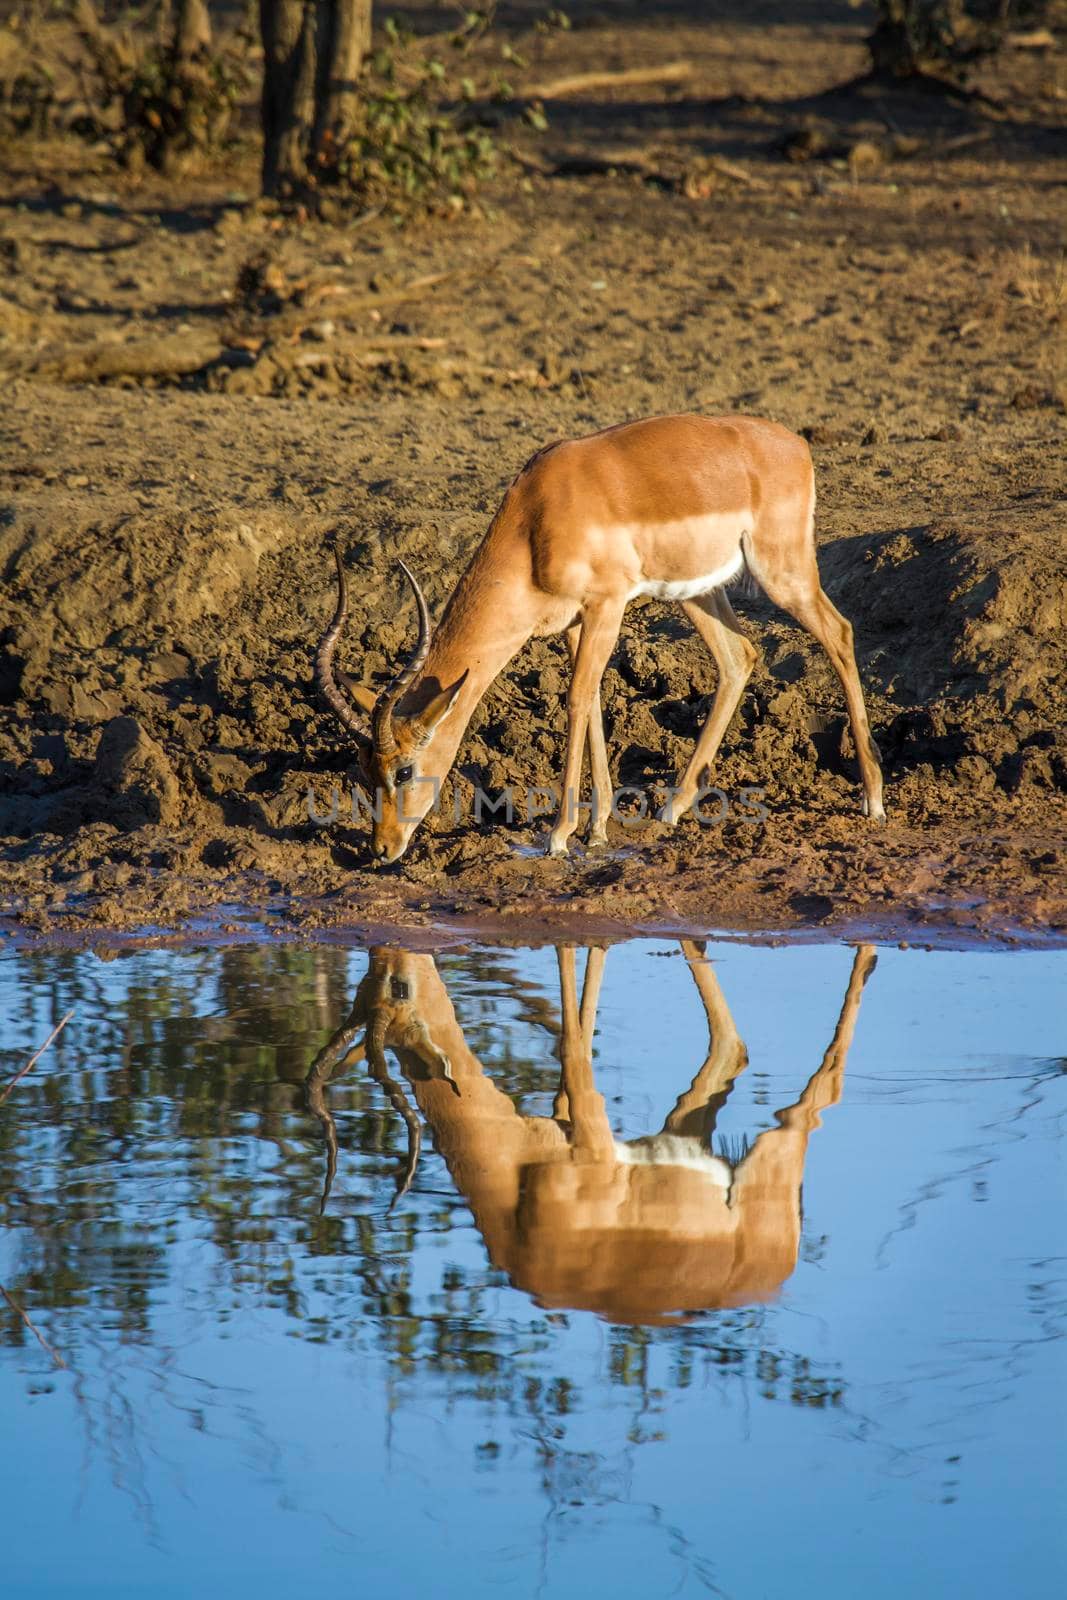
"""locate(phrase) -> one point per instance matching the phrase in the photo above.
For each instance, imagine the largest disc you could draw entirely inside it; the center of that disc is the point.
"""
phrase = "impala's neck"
(493, 611)
(477, 1128)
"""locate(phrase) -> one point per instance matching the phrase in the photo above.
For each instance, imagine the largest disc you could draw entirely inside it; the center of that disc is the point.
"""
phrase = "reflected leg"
(591, 1134)
(694, 1112)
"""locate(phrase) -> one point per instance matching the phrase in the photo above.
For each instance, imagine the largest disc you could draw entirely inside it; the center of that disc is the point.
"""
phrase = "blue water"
(256, 1399)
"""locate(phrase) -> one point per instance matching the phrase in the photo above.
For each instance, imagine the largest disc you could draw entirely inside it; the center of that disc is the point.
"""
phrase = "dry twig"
(37, 1334)
(633, 77)
(37, 1054)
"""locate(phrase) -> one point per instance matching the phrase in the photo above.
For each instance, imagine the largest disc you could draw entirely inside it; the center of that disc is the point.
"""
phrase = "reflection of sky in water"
(266, 1401)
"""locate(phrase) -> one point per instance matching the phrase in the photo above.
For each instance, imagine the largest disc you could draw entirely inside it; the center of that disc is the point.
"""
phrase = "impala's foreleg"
(591, 1135)
(713, 618)
(598, 754)
(600, 629)
(586, 1016)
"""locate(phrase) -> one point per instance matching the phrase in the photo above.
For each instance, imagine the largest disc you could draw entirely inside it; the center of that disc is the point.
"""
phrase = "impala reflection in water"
(635, 1230)
(215, 1379)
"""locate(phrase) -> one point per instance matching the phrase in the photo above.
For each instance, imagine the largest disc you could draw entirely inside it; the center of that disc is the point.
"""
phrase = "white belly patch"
(689, 588)
(674, 1150)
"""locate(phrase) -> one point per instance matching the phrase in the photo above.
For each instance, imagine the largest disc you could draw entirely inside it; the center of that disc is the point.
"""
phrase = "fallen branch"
(456, 367)
(37, 1054)
(633, 77)
(962, 141)
(592, 163)
(37, 1334)
(730, 169)
(178, 357)
(299, 317)
(588, 163)
(388, 341)
(94, 249)
(172, 356)
(1036, 39)
(530, 163)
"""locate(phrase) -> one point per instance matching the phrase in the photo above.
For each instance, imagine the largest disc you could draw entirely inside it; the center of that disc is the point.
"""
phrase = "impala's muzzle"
(391, 834)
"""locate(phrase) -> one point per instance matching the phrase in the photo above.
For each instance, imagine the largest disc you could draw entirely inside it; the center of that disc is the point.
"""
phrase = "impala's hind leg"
(824, 622)
(782, 560)
(694, 1112)
(713, 618)
(598, 754)
(824, 1087)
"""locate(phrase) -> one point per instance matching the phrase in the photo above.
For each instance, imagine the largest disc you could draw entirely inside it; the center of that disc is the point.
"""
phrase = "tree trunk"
(192, 29)
(313, 50)
(344, 41)
(288, 94)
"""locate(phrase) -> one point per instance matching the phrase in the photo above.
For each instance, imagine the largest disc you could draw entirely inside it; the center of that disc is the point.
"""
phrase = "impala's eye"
(403, 775)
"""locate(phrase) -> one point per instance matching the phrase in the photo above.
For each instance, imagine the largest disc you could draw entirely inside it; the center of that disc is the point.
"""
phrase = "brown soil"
(898, 296)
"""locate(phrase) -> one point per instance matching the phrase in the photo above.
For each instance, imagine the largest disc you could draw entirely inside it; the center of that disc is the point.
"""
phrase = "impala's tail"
(745, 583)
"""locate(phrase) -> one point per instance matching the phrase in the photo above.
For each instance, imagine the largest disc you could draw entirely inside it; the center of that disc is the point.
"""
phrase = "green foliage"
(416, 139)
(423, 136)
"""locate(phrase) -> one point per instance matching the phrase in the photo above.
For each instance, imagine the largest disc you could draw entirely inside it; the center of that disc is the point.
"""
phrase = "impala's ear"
(359, 692)
(365, 769)
(434, 712)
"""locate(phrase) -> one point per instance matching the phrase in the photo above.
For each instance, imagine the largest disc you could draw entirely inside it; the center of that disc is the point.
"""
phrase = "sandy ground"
(163, 569)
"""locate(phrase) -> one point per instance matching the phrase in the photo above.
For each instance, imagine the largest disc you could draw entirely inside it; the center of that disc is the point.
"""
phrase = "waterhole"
(666, 1269)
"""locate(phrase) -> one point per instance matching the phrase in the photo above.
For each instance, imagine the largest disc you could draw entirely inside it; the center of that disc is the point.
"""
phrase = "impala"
(635, 1230)
(674, 507)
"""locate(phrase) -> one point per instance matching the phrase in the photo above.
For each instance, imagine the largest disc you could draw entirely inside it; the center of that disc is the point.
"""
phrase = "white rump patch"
(675, 1150)
(689, 588)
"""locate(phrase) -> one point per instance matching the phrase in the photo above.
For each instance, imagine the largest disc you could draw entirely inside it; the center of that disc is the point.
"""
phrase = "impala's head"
(403, 763)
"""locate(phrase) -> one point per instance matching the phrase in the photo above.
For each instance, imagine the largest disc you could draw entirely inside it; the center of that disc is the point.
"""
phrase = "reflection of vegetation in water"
(476, 981)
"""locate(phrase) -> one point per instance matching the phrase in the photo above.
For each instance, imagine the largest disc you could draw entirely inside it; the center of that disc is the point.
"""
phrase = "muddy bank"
(155, 769)
(163, 575)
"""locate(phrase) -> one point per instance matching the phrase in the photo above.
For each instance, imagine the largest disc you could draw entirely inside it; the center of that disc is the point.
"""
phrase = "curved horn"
(324, 677)
(399, 1101)
(336, 1049)
(382, 719)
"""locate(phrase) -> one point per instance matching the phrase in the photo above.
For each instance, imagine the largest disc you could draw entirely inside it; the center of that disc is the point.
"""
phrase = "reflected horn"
(324, 678)
(321, 1070)
(399, 1101)
(382, 719)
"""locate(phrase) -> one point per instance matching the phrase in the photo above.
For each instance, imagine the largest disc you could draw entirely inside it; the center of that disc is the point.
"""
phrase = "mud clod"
(136, 784)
